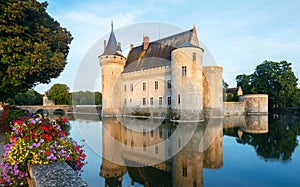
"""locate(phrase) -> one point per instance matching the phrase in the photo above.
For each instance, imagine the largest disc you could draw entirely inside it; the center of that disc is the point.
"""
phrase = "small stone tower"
(112, 63)
(186, 76)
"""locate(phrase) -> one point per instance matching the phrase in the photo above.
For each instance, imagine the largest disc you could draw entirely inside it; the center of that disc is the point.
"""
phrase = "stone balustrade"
(54, 174)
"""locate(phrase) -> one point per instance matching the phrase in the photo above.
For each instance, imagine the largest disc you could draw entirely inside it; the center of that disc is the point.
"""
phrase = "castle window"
(183, 68)
(152, 133)
(144, 86)
(130, 100)
(178, 99)
(125, 101)
(132, 143)
(179, 143)
(169, 100)
(144, 101)
(131, 87)
(125, 142)
(184, 171)
(194, 56)
(151, 100)
(160, 133)
(156, 149)
(169, 84)
(144, 147)
(160, 101)
(156, 85)
(144, 132)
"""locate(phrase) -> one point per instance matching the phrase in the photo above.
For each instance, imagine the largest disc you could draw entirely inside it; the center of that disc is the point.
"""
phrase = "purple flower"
(42, 140)
(31, 147)
(33, 121)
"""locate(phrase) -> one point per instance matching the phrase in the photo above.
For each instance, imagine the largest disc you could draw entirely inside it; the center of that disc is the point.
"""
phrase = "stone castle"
(161, 78)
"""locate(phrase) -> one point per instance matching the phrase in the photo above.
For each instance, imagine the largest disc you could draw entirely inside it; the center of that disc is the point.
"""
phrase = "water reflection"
(280, 141)
(172, 154)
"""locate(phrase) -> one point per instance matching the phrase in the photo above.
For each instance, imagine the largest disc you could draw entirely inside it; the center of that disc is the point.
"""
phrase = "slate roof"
(232, 90)
(112, 47)
(158, 53)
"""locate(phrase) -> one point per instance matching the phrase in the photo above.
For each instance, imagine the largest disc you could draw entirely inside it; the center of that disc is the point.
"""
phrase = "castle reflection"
(161, 153)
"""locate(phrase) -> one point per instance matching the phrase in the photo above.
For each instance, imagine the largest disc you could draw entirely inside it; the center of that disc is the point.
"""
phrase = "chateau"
(162, 78)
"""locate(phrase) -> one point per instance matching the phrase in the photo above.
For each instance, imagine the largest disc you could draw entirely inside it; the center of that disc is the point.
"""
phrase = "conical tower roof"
(112, 47)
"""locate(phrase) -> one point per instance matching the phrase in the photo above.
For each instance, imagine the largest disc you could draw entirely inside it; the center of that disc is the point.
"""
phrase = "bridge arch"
(59, 111)
(42, 111)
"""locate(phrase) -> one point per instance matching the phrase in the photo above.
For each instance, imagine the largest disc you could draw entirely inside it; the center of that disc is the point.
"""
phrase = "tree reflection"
(281, 140)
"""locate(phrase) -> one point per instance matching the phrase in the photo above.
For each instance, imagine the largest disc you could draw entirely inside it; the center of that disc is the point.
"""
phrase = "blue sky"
(240, 34)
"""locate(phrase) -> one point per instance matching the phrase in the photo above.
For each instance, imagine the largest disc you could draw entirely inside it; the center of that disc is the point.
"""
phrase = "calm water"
(251, 151)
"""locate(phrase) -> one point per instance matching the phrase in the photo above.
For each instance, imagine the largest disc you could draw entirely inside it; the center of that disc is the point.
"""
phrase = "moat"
(255, 151)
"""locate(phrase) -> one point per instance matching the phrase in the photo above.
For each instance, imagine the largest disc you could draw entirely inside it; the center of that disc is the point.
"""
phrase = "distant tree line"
(275, 79)
(61, 95)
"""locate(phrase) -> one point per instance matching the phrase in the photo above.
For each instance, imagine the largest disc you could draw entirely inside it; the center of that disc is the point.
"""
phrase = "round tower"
(186, 73)
(213, 91)
(112, 63)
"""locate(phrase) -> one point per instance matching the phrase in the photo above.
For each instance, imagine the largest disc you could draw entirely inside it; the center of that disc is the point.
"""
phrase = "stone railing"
(54, 174)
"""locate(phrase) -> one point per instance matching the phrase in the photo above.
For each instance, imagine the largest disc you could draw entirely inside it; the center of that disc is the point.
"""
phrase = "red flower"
(69, 158)
(63, 134)
(48, 152)
(66, 120)
(12, 138)
(19, 122)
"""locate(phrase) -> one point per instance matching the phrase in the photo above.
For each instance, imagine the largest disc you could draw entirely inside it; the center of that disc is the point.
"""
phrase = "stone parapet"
(255, 103)
(54, 174)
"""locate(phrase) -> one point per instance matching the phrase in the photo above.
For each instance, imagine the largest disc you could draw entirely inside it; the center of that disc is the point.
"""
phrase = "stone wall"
(234, 108)
(255, 103)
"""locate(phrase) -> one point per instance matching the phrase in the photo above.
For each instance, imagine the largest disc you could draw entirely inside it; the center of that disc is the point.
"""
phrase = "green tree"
(30, 97)
(86, 98)
(278, 81)
(33, 46)
(244, 82)
(59, 93)
(98, 98)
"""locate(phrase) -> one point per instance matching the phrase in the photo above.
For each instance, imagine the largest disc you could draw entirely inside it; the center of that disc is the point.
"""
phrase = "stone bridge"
(62, 109)
(47, 109)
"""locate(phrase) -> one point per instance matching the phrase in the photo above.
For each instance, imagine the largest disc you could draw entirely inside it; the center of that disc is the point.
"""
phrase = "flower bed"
(38, 140)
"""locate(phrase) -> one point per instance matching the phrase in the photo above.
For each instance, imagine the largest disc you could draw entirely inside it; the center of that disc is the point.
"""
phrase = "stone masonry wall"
(234, 108)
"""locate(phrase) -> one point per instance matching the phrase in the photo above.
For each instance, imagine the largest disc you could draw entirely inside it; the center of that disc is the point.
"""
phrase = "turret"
(112, 63)
(186, 74)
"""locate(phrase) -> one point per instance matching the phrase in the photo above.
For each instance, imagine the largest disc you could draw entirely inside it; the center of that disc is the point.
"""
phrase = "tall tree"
(244, 82)
(98, 98)
(60, 94)
(29, 97)
(33, 46)
(278, 81)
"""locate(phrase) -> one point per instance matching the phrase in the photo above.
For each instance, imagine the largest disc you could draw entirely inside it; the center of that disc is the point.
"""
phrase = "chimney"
(146, 42)
(104, 44)
(131, 47)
